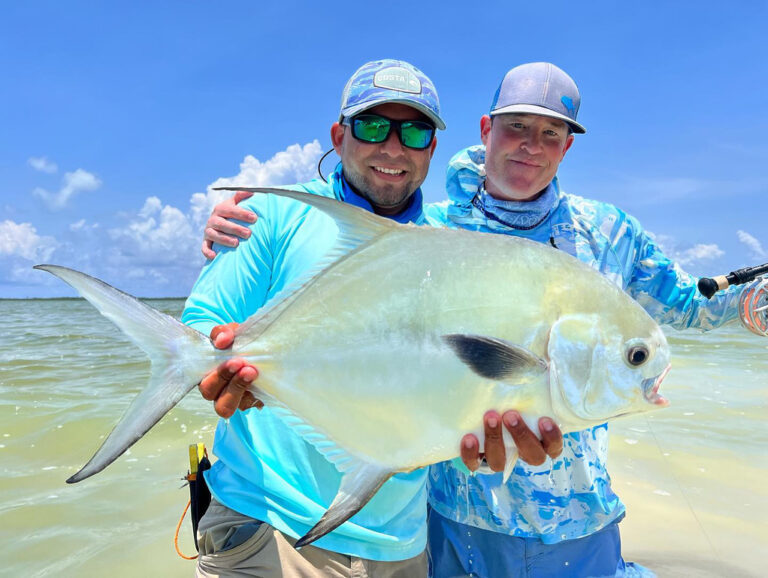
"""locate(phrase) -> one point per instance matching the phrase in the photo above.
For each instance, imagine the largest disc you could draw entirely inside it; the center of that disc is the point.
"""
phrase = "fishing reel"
(753, 304)
(753, 308)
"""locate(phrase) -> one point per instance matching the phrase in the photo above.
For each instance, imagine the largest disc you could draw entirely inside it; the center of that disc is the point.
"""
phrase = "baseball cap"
(539, 88)
(383, 81)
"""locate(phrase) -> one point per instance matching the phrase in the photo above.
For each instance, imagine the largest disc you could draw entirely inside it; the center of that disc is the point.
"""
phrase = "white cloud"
(295, 164)
(152, 250)
(73, 183)
(158, 234)
(160, 244)
(699, 253)
(692, 256)
(43, 165)
(22, 240)
(752, 243)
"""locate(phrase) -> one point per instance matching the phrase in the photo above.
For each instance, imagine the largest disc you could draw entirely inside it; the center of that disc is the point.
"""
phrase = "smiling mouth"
(386, 171)
(651, 389)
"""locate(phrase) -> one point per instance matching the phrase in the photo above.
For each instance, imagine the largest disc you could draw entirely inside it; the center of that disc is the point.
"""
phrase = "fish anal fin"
(358, 485)
(496, 359)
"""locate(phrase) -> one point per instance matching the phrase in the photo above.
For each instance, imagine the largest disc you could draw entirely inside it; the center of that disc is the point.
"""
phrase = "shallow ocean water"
(692, 475)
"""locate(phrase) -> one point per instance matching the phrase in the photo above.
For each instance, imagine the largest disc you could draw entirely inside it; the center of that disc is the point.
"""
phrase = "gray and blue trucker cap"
(383, 81)
(539, 88)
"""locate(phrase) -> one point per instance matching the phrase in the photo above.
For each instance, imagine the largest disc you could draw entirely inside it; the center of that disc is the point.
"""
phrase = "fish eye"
(637, 355)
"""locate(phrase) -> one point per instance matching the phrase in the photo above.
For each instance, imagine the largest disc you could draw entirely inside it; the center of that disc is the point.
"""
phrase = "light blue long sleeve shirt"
(264, 469)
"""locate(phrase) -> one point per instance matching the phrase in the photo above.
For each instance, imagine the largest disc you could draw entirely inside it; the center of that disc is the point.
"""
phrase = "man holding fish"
(269, 485)
(556, 515)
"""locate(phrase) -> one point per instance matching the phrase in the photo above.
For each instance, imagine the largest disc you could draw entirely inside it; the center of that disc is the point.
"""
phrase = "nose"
(392, 145)
(531, 142)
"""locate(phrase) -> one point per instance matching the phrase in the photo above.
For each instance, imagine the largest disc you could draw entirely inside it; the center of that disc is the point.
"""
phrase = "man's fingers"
(551, 437)
(223, 335)
(212, 235)
(495, 454)
(230, 210)
(528, 445)
(208, 251)
(470, 452)
(214, 383)
(231, 396)
(241, 196)
(227, 227)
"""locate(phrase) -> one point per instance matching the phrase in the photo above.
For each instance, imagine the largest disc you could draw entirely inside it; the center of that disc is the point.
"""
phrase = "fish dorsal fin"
(496, 359)
(357, 228)
(358, 485)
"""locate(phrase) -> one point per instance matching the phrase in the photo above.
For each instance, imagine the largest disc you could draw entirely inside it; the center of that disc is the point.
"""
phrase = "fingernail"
(511, 420)
(492, 422)
(469, 443)
(547, 425)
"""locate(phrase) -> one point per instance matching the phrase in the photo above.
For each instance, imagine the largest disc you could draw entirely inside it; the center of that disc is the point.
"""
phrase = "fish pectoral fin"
(496, 359)
(358, 485)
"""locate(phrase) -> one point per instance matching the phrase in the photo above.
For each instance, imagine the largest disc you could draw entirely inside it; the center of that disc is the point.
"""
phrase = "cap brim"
(352, 111)
(541, 111)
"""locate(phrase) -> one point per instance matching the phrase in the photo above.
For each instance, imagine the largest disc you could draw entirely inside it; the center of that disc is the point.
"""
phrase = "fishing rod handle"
(708, 286)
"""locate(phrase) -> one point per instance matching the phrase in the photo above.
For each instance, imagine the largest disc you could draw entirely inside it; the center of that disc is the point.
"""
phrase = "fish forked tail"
(173, 348)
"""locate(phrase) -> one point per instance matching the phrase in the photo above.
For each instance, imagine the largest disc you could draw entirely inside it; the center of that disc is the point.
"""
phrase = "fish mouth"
(651, 389)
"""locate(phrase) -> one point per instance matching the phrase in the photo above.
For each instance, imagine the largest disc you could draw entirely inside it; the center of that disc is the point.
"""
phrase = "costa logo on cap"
(397, 78)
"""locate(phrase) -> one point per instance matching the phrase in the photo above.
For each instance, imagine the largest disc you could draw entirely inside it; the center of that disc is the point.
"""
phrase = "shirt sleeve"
(669, 294)
(236, 283)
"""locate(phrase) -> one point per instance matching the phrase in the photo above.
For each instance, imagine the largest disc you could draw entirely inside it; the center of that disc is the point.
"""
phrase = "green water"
(693, 475)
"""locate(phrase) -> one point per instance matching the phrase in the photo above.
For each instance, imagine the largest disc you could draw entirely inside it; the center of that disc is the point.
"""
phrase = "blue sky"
(117, 117)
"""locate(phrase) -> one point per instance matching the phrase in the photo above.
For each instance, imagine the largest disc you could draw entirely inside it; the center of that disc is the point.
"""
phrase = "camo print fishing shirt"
(571, 496)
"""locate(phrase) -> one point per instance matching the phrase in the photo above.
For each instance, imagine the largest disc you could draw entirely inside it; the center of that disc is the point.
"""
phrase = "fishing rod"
(753, 304)
(709, 286)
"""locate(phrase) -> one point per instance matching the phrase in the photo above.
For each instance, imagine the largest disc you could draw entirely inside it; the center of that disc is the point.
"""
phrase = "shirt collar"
(412, 213)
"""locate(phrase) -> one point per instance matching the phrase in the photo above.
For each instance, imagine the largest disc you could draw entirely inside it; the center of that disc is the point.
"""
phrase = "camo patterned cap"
(539, 88)
(383, 81)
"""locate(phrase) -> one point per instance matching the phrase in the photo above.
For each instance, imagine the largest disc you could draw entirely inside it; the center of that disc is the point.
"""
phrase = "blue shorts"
(456, 549)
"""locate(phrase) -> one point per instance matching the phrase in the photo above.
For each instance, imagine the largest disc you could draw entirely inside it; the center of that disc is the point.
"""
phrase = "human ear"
(568, 143)
(337, 136)
(485, 128)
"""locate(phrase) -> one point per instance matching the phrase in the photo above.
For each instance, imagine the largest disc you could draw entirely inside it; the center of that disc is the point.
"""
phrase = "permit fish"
(399, 340)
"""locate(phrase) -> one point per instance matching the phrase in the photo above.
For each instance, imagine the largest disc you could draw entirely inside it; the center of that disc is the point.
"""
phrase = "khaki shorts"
(268, 553)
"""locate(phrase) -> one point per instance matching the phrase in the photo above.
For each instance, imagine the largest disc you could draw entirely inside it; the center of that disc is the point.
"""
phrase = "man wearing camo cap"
(269, 486)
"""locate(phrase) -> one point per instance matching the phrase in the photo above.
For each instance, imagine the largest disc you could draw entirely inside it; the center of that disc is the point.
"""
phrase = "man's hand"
(220, 229)
(529, 447)
(227, 386)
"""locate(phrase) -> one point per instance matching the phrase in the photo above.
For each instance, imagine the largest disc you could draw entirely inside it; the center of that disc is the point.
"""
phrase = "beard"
(384, 195)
